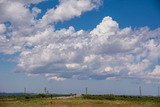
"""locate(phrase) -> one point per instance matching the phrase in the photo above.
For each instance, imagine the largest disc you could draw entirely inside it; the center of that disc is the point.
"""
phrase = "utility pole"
(86, 90)
(45, 90)
(25, 90)
(158, 91)
(140, 91)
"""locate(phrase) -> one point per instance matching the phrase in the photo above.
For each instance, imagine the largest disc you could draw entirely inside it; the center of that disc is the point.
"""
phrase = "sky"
(109, 46)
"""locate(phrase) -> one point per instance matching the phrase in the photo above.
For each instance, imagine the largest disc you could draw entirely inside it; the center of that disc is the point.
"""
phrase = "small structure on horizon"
(140, 91)
(25, 90)
(45, 90)
(86, 90)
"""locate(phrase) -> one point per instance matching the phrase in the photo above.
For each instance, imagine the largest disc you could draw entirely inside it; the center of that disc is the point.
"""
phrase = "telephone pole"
(140, 91)
(86, 90)
(158, 91)
(25, 90)
(45, 90)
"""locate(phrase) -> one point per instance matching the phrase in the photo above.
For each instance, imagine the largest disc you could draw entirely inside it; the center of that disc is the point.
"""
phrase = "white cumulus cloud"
(68, 9)
(110, 53)
(106, 52)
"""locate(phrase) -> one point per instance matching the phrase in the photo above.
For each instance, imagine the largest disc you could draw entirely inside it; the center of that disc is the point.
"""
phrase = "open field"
(80, 101)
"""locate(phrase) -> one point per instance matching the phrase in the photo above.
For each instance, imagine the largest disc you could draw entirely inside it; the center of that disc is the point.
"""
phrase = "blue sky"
(117, 65)
(133, 13)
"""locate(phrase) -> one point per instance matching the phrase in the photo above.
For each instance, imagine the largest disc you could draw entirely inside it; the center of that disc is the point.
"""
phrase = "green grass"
(122, 97)
(42, 100)
(33, 96)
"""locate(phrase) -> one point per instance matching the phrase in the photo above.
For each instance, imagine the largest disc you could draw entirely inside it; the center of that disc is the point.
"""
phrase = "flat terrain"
(81, 101)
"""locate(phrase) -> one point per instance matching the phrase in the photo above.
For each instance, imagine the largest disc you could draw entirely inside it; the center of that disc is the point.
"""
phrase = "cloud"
(68, 9)
(2, 28)
(30, 1)
(15, 12)
(156, 71)
(23, 1)
(23, 27)
(35, 11)
(54, 77)
(106, 52)
(106, 27)
(98, 54)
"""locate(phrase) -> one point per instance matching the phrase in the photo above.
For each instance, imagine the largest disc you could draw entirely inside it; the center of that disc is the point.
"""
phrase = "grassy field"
(79, 101)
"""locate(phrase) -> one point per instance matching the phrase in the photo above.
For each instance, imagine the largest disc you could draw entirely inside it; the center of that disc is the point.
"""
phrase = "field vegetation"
(56, 100)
